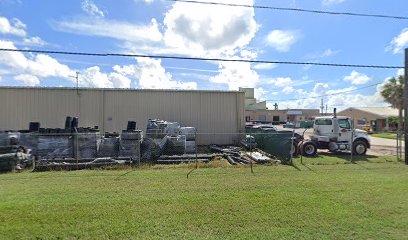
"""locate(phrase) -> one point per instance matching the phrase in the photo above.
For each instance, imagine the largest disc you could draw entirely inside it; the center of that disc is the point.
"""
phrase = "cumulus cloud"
(331, 2)
(93, 77)
(13, 27)
(399, 42)
(288, 90)
(27, 79)
(282, 81)
(111, 29)
(152, 75)
(342, 100)
(90, 8)
(235, 75)
(282, 40)
(204, 29)
(357, 78)
(40, 65)
(260, 93)
(29, 70)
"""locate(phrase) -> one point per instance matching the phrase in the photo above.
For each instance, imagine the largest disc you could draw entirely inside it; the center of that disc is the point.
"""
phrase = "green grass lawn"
(386, 135)
(321, 198)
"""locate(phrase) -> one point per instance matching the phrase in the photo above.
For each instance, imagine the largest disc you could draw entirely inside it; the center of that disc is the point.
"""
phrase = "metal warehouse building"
(217, 115)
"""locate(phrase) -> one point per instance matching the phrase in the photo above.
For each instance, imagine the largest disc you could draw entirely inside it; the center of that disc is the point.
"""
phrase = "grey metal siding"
(218, 116)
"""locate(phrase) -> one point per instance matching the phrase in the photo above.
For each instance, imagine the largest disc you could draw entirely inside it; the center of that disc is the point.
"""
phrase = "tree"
(393, 93)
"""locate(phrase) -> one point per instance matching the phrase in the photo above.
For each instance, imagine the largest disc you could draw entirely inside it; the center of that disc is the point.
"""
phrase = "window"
(362, 121)
(276, 118)
(247, 119)
(262, 117)
(323, 122)
(344, 123)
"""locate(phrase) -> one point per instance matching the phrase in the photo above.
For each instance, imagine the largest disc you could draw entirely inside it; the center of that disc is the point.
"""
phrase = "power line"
(200, 58)
(296, 9)
(327, 95)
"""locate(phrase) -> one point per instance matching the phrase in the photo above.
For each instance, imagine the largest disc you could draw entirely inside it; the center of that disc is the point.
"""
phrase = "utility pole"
(322, 108)
(77, 81)
(406, 106)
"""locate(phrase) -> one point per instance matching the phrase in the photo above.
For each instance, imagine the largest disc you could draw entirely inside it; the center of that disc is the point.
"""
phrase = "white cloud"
(119, 81)
(400, 72)
(27, 79)
(199, 29)
(90, 7)
(260, 93)
(93, 77)
(13, 27)
(40, 65)
(340, 101)
(282, 81)
(235, 75)
(288, 90)
(127, 70)
(152, 75)
(331, 2)
(282, 40)
(357, 78)
(34, 41)
(301, 92)
(112, 29)
(29, 70)
(320, 88)
(399, 42)
(264, 66)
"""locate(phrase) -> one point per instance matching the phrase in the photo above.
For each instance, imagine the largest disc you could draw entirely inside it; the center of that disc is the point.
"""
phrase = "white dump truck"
(335, 133)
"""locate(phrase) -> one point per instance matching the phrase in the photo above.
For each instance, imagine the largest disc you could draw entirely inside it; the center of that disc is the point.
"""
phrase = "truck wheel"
(359, 147)
(309, 149)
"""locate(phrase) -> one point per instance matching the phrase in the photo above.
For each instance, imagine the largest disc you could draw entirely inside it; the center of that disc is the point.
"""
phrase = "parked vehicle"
(335, 134)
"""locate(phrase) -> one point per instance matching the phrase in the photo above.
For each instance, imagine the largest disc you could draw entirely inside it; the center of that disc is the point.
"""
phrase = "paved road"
(375, 141)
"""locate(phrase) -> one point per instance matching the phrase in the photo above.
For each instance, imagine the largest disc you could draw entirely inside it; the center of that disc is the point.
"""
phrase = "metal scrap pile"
(171, 137)
(12, 155)
(236, 155)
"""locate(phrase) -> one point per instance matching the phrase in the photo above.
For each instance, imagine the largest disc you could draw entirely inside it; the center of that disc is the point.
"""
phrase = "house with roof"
(376, 117)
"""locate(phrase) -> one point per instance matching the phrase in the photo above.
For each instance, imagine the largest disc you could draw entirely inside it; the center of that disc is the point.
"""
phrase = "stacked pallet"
(129, 144)
(109, 147)
(52, 146)
(88, 145)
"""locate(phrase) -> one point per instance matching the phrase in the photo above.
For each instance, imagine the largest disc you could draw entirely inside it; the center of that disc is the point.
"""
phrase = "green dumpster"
(276, 143)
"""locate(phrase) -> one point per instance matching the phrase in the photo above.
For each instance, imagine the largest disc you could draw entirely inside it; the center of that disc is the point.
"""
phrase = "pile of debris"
(171, 138)
(236, 155)
(13, 156)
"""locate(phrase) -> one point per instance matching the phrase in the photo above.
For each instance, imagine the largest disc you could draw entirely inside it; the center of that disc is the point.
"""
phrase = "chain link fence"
(188, 145)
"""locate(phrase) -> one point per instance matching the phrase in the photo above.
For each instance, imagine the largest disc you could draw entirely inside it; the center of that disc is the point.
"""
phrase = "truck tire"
(359, 147)
(309, 149)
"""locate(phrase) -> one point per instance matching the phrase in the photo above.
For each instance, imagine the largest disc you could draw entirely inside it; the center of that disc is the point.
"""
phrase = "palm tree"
(393, 93)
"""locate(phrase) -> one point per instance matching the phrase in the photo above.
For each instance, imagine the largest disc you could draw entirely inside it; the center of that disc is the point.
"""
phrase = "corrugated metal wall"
(217, 115)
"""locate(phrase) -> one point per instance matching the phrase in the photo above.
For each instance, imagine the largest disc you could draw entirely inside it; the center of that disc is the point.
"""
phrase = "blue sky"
(197, 30)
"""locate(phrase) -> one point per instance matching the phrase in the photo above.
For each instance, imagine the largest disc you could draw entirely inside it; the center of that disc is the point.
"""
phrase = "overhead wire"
(200, 58)
(296, 9)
